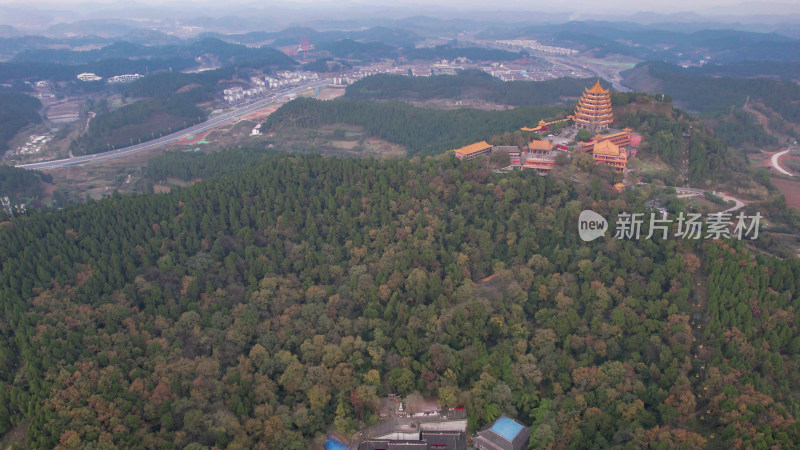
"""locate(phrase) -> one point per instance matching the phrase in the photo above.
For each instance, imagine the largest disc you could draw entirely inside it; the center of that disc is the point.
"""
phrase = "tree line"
(419, 130)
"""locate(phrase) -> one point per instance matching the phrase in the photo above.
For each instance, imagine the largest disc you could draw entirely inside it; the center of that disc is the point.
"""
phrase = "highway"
(164, 140)
(608, 72)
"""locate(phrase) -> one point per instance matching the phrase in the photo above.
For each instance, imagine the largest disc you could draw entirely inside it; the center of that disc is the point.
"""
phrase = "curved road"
(155, 143)
(691, 192)
(776, 162)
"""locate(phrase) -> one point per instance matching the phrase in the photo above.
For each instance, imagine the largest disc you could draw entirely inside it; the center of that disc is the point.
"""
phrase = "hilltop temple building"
(473, 150)
(610, 154)
(593, 111)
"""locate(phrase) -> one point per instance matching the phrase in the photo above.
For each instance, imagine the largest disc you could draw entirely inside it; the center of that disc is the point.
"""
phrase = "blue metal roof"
(333, 444)
(506, 428)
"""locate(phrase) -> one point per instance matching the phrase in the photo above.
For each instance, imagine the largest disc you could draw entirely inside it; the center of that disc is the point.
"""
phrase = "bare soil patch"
(790, 190)
(260, 114)
(15, 436)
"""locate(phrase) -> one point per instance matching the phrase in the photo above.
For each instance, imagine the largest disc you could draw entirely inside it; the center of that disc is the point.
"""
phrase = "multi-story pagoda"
(593, 111)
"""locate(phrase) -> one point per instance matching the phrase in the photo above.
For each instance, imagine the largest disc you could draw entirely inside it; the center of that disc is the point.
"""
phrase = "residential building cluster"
(125, 78)
(528, 70)
(351, 76)
(238, 93)
(33, 145)
(89, 76)
(261, 86)
(533, 46)
(287, 78)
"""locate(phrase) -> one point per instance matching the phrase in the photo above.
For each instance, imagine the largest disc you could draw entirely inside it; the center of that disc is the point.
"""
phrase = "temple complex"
(610, 154)
(593, 111)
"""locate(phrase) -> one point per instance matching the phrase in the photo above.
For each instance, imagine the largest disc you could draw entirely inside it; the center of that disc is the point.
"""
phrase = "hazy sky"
(20, 13)
(701, 6)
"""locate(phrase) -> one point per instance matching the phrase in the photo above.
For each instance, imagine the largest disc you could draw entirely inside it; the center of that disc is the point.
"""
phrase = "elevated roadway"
(215, 122)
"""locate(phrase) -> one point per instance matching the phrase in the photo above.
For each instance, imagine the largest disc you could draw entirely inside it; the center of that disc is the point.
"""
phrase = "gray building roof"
(503, 434)
(430, 440)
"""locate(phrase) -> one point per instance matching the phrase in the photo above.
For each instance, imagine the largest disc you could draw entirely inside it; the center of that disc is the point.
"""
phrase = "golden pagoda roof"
(540, 145)
(473, 148)
(605, 137)
(597, 89)
(606, 148)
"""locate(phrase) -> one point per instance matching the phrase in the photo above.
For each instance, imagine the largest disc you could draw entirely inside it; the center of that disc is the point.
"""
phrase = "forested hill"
(226, 52)
(17, 110)
(124, 57)
(712, 93)
(431, 131)
(20, 185)
(142, 121)
(470, 84)
(168, 102)
(260, 309)
(680, 140)
(420, 130)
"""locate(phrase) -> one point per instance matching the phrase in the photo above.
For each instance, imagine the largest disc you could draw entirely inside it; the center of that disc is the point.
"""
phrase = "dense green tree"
(264, 307)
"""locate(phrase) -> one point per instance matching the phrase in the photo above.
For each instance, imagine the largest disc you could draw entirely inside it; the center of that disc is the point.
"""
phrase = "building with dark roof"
(428, 440)
(503, 434)
(434, 430)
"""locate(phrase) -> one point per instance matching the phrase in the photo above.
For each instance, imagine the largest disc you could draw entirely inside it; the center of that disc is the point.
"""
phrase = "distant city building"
(535, 47)
(126, 78)
(234, 94)
(503, 434)
(88, 76)
(593, 111)
(41, 84)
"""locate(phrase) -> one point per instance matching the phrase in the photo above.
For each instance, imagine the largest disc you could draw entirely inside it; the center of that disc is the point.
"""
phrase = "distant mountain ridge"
(226, 51)
(641, 41)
